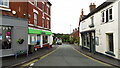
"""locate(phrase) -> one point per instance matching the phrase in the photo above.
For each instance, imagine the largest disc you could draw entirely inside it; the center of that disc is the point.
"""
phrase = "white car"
(59, 41)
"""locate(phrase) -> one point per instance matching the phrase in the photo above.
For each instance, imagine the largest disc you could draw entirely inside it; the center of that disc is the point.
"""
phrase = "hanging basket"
(20, 41)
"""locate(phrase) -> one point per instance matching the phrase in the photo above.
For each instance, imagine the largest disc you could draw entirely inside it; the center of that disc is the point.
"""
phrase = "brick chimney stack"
(92, 6)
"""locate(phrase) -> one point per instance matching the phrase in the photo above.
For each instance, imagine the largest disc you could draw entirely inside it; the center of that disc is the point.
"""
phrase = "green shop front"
(39, 38)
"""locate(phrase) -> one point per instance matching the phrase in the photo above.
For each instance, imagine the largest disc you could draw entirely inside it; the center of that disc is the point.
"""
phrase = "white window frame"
(92, 19)
(103, 17)
(35, 2)
(43, 6)
(47, 23)
(43, 22)
(7, 6)
(35, 20)
(109, 14)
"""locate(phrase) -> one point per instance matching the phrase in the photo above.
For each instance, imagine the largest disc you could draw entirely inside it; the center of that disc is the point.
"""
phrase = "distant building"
(74, 36)
(99, 30)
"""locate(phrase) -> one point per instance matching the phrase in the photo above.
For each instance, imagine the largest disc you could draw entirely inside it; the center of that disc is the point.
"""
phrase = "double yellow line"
(40, 58)
(91, 58)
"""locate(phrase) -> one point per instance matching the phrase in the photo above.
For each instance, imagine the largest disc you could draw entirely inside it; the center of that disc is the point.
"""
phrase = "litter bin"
(31, 49)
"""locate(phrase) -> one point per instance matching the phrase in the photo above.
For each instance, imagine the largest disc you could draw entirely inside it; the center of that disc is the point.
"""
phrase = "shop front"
(39, 38)
(88, 40)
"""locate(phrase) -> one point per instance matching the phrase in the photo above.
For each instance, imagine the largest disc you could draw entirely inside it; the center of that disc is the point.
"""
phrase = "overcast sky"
(67, 12)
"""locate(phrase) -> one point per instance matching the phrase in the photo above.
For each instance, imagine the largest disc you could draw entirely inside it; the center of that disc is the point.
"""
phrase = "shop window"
(110, 42)
(5, 37)
(4, 3)
(45, 39)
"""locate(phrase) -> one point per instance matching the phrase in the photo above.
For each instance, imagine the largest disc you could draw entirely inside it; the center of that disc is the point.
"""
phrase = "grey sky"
(66, 12)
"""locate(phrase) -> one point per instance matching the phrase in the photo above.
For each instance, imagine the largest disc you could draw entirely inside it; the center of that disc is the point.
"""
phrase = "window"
(43, 6)
(45, 39)
(4, 3)
(107, 15)
(92, 20)
(35, 2)
(48, 10)
(110, 42)
(103, 16)
(47, 23)
(110, 14)
(6, 37)
(43, 22)
(35, 19)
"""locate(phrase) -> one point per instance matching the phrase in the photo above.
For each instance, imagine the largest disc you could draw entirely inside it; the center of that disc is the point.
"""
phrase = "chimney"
(82, 12)
(92, 6)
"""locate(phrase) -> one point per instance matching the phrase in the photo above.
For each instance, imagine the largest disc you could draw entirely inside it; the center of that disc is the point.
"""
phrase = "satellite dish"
(13, 12)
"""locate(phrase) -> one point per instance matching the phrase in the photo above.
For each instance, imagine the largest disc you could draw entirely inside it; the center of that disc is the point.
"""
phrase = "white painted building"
(100, 29)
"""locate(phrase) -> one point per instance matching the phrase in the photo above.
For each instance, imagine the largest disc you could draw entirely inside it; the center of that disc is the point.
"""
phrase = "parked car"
(59, 41)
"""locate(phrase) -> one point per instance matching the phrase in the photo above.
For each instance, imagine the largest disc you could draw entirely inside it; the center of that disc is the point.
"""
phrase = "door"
(92, 42)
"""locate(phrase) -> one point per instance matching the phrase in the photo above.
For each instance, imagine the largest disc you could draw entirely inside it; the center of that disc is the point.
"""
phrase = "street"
(66, 55)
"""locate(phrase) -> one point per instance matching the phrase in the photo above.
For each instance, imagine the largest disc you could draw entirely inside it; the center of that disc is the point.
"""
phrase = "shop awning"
(34, 31)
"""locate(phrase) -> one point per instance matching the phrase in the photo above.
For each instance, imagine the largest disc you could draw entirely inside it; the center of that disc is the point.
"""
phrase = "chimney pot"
(92, 6)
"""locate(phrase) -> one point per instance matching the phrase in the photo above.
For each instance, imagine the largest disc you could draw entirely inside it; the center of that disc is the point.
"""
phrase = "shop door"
(92, 42)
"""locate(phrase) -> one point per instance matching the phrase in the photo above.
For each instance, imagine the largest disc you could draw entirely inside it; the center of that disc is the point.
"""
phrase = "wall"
(103, 28)
(19, 31)
(119, 29)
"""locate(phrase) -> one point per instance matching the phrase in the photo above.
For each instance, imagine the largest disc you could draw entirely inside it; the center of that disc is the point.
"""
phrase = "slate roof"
(103, 5)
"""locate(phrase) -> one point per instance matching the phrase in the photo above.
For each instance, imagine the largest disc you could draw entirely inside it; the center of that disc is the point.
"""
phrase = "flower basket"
(20, 41)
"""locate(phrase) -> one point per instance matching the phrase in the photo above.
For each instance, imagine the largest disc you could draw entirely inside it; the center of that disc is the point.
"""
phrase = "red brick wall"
(19, 7)
(22, 8)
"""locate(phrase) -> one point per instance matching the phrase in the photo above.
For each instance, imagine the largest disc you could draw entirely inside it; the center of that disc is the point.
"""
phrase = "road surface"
(66, 55)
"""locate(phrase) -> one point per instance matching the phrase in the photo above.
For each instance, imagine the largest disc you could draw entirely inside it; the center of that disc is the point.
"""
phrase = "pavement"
(66, 56)
(11, 61)
(98, 56)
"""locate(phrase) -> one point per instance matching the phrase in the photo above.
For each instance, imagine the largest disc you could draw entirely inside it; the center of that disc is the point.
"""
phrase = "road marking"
(32, 64)
(91, 58)
(40, 58)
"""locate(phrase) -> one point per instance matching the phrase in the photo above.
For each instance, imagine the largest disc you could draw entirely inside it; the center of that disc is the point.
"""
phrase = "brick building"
(28, 21)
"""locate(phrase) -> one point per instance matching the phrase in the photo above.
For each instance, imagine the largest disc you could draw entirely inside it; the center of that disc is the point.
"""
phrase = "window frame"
(35, 19)
(35, 2)
(110, 14)
(43, 6)
(103, 16)
(108, 42)
(47, 23)
(43, 22)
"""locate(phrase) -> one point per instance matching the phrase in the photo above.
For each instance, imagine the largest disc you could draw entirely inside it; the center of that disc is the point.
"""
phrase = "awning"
(34, 31)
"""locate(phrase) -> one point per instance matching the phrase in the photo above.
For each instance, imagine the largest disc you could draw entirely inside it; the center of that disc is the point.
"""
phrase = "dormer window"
(4, 3)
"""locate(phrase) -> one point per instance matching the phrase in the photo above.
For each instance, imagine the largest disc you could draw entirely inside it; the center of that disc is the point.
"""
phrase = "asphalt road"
(66, 55)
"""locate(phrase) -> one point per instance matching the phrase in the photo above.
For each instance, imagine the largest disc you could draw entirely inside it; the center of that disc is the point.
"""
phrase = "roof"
(103, 5)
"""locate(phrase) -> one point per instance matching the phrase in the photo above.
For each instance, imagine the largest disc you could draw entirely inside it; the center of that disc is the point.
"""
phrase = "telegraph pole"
(70, 28)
